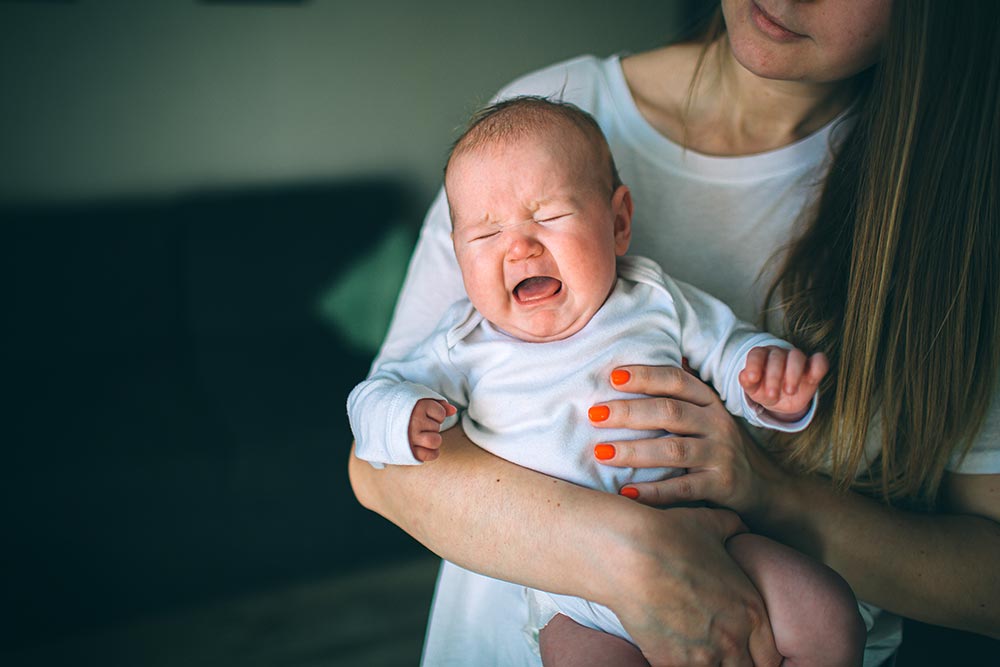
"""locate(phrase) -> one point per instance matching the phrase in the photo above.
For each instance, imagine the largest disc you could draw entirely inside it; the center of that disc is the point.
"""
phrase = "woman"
(846, 155)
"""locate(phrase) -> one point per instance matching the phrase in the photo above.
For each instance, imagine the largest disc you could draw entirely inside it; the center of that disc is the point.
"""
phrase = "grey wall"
(120, 97)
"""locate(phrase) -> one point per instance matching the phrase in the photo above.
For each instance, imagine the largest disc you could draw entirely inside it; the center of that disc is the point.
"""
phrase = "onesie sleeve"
(379, 408)
(716, 344)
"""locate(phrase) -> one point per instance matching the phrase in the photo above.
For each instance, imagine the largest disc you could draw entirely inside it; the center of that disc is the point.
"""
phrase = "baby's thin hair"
(517, 117)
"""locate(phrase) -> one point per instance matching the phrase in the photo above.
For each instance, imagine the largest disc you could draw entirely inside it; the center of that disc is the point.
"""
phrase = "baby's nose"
(523, 246)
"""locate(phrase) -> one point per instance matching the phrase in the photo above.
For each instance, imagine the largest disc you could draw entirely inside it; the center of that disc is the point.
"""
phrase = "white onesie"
(527, 402)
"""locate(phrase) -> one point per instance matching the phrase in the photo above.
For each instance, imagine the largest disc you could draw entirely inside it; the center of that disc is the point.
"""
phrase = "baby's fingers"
(774, 372)
(753, 372)
(795, 365)
(425, 454)
(817, 369)
(438, 410)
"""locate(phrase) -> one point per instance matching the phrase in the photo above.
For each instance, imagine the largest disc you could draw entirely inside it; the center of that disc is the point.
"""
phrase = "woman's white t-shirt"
(718, 223)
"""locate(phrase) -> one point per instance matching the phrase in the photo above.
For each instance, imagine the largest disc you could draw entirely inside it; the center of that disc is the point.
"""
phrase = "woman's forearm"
(937, 568)
(491, 516)
(666, 573)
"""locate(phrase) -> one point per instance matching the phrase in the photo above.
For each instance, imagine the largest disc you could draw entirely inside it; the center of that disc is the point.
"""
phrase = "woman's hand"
(725, 466)
(665, 572)
(683, 598)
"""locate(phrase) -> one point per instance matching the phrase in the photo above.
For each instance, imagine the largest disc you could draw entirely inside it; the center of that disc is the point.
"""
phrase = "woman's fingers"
(725, 523)
(761, 644)
(659, 413)
(681, 489)
(671, 451)
(723, 465)
(695, 606)
(662, 381)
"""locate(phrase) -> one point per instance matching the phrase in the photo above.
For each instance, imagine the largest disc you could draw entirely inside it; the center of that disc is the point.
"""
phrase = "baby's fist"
(425, 424)
(783, 381)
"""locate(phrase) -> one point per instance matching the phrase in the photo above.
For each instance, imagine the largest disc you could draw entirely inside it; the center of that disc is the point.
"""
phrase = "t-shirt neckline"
(797, 156)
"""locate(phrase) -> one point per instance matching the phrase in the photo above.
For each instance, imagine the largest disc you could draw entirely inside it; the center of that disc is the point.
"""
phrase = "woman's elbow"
(360, 475)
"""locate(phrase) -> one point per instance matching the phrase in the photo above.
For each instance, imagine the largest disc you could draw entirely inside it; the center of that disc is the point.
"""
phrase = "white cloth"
(527, 402)
(714, 222)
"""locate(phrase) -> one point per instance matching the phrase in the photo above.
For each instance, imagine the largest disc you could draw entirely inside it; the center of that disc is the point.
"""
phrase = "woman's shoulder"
(581, 80)
(659, 80)
(666, 71)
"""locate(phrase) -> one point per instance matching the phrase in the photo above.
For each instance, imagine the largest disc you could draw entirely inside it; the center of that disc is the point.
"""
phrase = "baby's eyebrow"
(555, 199)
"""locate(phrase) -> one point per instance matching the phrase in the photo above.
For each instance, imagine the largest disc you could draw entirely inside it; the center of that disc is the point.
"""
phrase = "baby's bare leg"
(564, 642)
(814, 615)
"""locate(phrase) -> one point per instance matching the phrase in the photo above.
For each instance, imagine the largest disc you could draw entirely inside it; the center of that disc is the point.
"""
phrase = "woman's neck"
(730, 111)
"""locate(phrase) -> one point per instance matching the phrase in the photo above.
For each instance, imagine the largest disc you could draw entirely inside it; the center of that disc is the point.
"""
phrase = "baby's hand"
(783, 381)
(425, 421)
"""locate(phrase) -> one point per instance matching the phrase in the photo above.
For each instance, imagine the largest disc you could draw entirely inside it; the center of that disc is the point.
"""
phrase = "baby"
(541, 223)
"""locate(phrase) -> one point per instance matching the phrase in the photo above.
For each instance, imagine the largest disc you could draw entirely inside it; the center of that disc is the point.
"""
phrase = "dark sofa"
(174, 426)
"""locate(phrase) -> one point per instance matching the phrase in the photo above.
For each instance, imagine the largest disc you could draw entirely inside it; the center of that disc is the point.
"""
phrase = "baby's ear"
(621, 207)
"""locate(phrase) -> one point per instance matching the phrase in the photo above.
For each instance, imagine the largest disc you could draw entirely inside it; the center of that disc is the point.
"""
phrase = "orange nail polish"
(620, 377)
(599, 413)
(630, 492)
(604, 452)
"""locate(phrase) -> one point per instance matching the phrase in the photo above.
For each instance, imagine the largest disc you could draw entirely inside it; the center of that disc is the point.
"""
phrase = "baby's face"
(536, 233)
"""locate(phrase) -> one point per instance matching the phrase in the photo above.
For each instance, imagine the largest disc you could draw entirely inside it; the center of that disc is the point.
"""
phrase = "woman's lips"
(770, 26)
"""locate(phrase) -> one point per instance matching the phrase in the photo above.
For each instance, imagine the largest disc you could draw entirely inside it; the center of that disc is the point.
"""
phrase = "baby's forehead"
(549, 129)
(562, 141)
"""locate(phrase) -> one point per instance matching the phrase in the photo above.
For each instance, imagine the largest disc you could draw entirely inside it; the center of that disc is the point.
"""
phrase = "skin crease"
(666, 573)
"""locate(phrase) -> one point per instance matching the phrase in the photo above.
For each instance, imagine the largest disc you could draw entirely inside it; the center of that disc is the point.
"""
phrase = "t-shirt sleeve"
(984, 456)
(433, 283)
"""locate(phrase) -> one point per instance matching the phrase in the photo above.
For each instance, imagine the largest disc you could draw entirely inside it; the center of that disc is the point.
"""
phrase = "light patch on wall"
(359, 304)
(254, 2)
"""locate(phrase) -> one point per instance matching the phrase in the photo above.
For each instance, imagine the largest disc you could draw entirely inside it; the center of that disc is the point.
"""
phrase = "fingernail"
(604, 452)
(599, 413)
(620, 377)
(630, 492)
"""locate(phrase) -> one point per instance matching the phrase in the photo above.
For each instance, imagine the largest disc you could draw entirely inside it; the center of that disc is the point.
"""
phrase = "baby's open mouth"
(536, 288)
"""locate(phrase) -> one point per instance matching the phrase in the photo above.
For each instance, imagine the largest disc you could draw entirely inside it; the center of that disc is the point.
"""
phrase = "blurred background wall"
(207, 207)
(113, 97)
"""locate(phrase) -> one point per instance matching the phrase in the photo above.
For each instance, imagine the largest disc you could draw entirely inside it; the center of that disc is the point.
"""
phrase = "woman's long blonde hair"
(896, 276)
